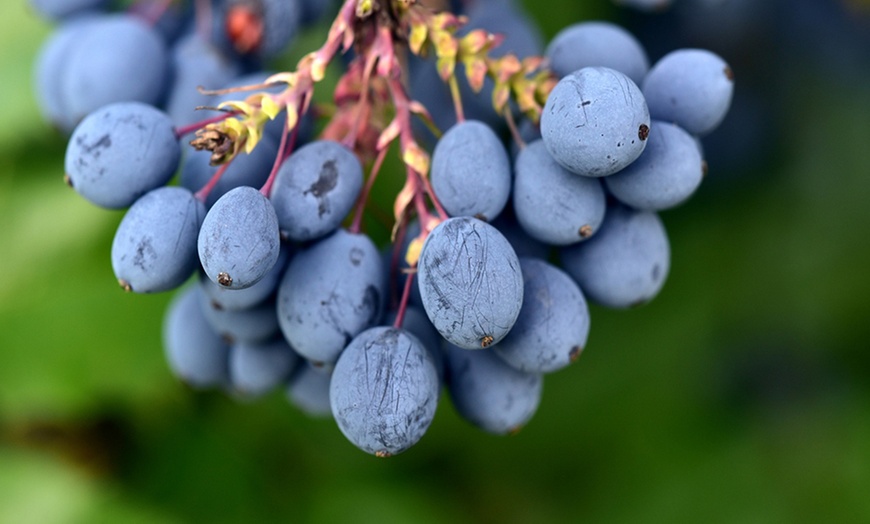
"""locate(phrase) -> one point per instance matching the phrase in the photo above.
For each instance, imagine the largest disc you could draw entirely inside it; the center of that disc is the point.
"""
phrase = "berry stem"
(285, 148)
(427, 187)
(512, 125)
(426, 218)
(403, 303)
(400, 231)
(196, 126)
(202, 194)
(364, 197)
(457, 99)
(363, 103)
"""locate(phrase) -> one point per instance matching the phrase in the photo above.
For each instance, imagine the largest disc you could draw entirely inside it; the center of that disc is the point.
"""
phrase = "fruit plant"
(532, 182)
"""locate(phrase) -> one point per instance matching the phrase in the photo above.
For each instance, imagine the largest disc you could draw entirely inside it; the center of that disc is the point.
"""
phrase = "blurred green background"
(741, 394)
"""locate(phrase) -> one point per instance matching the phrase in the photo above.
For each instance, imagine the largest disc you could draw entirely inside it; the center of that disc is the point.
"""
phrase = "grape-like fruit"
(597, 43)
(314, 10)
(417, 323)
(553, 325)
(489, 393)
(471, 172)
(239, 241)
(260, 28)
(155, 245)
(64, 9)
(552, 204)
(626, 263)
(523, 244)
(253, 325)
(316, 187)
(237, 299)
(595, 122)
(257, 368)
(691, 88)
(120, 152)
(331, 291)
(49, 67)
(470, 282)
(308, 390)
(196, 354)
(666, 174)
(384, 391)
(100, 71)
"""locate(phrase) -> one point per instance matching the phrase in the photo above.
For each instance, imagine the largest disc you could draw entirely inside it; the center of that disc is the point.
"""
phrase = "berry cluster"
(495, 249)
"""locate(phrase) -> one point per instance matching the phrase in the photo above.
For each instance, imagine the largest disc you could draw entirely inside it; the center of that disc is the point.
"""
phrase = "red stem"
(512, 125)
(403, 113)
(457, 99)
(420, 204)
(285, 148)
(196, 126)
(427, 187)
(350, 140)
(403, 304)
(398, 242)
(364, 197)
(203, 193)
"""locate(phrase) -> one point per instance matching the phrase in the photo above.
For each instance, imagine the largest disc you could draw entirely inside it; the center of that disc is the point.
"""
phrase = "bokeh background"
(741, 394)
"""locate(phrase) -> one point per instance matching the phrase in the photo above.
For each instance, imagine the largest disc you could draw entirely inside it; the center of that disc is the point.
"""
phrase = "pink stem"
(398, 242)
(420, 205)
(196, 126)
(203, 193)
(427, 187)
(457, 99)
(403, 304)
(285, 147)
(512, 125)
(364, 197)
(350, 141)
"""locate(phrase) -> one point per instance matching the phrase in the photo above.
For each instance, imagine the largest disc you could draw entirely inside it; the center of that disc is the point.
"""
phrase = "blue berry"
(196, 354)
(470, 282)
(597, 43)
(120, 152)
(99, 69)
(155, 245)
(315, 189)
(595, 122)
(666, 174)
(384, 391)
(308, 390)
(553, 325)
(489, 393)
(691, 88)
(196, 63)
(331, 292)
(552, 204)
(626, 263)
(257, 368)
(239, 242)
(471, 173)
